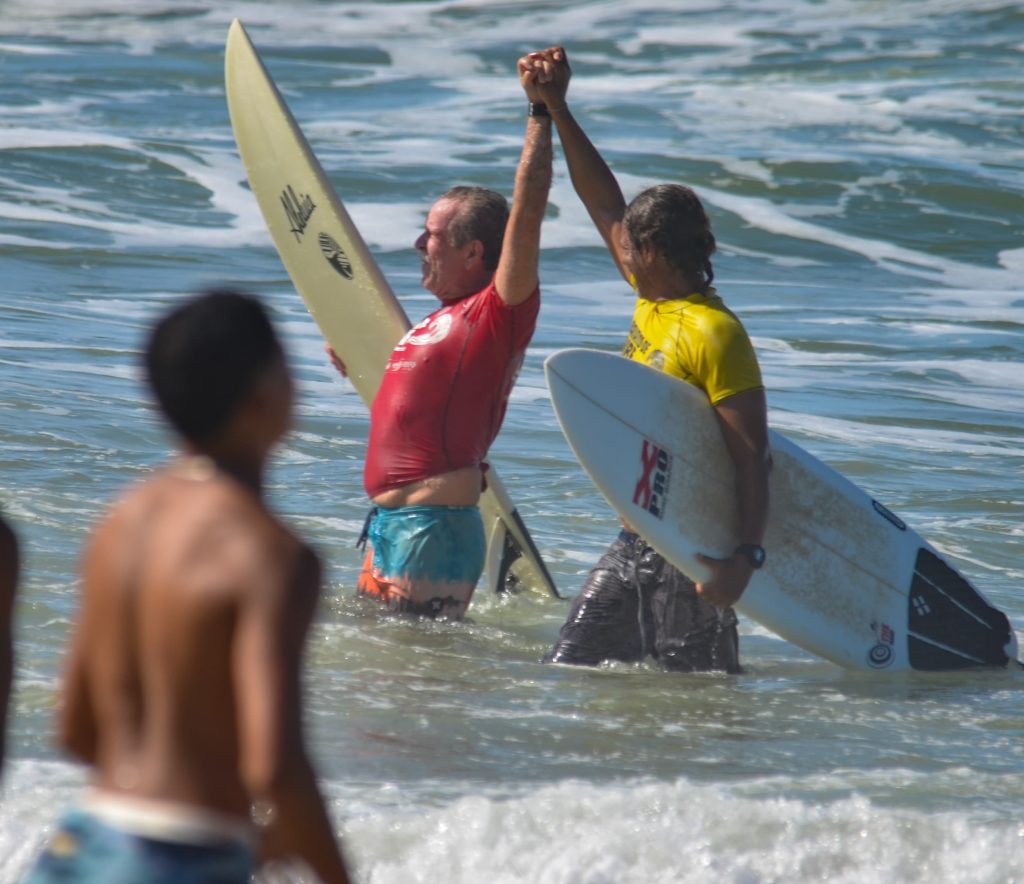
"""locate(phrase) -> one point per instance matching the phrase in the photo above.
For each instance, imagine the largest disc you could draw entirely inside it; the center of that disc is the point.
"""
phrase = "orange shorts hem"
(373, 585)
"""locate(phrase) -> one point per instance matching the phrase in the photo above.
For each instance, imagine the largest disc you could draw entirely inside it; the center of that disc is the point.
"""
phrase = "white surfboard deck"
(845, 578)
(338, 278)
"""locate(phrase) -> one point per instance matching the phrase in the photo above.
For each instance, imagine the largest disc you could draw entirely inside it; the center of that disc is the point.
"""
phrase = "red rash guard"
(445, 389)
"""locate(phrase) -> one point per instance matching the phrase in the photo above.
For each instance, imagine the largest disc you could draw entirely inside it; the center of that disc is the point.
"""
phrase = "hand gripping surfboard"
(339, 280)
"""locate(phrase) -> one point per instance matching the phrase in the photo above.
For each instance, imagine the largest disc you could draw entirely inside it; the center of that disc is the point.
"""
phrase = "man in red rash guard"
(445, 389)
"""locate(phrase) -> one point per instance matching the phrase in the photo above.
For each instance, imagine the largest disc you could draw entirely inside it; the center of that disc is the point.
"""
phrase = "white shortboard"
(338, 278)
(844, 578)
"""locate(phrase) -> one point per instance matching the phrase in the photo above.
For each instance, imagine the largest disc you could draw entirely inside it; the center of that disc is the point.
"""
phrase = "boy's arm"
(77, 730)
(271, 635)
(76, 718)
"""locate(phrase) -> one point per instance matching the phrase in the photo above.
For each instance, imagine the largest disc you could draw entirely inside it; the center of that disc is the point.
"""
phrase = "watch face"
(754, 553)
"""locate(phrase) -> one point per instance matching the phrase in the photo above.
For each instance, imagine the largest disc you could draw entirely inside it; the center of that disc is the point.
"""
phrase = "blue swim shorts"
(87, 850)
(424, 559)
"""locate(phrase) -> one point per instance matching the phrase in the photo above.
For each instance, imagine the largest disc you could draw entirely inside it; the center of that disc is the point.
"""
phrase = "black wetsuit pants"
(635, 604)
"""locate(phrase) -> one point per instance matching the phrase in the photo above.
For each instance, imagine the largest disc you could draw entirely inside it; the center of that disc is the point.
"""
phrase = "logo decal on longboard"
(882, 653)
(335, 255)
(298, 210)
(652, 487)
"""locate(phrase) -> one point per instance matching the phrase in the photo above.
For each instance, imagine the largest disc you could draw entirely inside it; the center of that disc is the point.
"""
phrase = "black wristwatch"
(754, 553)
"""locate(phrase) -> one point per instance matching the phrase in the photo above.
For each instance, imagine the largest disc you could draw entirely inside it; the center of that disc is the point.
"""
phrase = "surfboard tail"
(950, 625)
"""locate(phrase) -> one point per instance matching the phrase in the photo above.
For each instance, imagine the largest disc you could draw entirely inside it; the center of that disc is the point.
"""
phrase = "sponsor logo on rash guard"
(430, 331)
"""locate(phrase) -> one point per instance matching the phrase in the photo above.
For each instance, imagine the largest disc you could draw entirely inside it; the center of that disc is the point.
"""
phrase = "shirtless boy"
(182, 684)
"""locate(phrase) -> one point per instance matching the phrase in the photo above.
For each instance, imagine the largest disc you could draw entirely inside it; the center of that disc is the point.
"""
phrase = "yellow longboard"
(338, 278)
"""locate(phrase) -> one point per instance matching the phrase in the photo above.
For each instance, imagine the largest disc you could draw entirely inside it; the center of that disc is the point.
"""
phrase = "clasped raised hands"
(545, 75)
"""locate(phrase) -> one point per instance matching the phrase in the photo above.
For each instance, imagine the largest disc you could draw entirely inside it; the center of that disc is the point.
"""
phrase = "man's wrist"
(541, 109)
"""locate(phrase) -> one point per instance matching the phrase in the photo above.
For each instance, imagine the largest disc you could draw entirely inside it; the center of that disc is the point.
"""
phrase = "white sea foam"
(1013, 259)
(579, 833)
(219, 172)
(852, 433)
(773, 219)
(68, 109)
(1006, 376)
(20, 49)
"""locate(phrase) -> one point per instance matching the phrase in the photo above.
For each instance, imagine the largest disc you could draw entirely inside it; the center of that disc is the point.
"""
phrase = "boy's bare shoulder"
(218, 515)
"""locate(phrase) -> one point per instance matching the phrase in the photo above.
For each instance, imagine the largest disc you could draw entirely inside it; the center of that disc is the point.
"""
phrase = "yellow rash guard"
(696, 338)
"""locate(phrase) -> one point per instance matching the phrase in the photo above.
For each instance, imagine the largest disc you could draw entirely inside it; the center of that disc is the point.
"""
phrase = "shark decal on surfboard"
(339, 280)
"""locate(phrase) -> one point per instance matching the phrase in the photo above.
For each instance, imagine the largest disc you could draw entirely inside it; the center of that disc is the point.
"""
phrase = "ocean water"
(863, 164)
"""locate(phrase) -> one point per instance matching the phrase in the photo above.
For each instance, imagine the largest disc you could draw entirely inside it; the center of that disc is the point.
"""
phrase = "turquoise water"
(862, 163)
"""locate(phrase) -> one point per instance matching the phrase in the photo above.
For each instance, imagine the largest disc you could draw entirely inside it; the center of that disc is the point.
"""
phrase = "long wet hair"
(482, 215)
(670, 218)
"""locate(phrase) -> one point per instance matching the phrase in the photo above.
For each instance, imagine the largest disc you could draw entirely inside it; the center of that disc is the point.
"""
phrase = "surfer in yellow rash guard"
(634, 603)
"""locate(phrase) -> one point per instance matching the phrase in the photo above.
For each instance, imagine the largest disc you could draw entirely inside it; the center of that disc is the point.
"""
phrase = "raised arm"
(591, 177)
(517, 275)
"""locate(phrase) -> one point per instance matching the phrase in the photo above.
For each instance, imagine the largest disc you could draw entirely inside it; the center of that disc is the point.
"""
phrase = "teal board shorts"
(423, 560)
(86, 850)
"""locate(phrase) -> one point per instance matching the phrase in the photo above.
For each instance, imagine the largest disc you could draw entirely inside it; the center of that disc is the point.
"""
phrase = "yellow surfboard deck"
(338, 278)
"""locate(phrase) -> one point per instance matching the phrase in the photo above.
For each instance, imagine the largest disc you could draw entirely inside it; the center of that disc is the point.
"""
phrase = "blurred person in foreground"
(182, 683)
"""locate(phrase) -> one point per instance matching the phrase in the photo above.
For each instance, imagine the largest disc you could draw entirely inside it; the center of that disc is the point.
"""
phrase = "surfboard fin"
(507, 568)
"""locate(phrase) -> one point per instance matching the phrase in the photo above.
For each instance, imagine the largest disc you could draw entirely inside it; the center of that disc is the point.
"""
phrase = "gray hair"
(482, 215)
